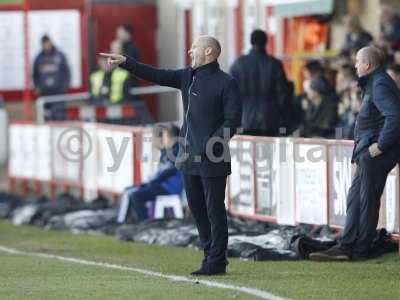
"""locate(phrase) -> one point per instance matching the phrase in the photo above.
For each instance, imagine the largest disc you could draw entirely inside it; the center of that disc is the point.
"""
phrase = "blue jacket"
(51, 73)
(212, 110)
(167, 175)
(379, 118)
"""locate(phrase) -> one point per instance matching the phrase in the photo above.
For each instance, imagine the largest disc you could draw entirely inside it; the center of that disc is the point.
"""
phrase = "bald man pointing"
(376, 152)
(212, 114)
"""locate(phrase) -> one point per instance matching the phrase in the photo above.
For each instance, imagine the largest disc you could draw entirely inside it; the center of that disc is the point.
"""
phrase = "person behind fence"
(51, 73)
(320, 116)
(312, 69)
(109, 85)
(212, 114)
(348, 109)
(394, 72)
(124, 34)
(356, 36)
(264, 89)
(390, 27)
(166, 181)
(376, 152)
(345, 77)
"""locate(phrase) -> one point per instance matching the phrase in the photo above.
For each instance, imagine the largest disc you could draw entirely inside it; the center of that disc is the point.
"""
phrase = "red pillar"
(27, 79)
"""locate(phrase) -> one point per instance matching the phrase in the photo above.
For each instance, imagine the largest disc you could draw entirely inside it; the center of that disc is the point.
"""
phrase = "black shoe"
(332, 254)
(359, 256)
(210, 269)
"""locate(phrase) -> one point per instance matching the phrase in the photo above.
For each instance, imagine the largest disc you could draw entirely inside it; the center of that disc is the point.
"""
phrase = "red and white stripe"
(100, 112)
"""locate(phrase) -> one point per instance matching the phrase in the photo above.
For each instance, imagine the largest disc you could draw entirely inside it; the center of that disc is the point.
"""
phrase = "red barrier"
(292, 181)
(88, 156)
(100, 112)
(281, 180)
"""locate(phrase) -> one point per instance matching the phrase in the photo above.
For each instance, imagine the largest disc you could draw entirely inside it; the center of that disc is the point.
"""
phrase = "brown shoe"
(332, 254)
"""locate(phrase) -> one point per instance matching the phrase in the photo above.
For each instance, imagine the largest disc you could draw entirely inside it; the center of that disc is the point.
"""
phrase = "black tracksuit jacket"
(212, 109)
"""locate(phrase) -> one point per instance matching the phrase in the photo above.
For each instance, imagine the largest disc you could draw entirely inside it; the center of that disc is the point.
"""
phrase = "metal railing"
(80, 97)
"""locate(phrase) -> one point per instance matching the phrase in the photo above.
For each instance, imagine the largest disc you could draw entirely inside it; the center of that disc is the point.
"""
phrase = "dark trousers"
(206, 196)
(363, 200)
(144, 194)
(136, 198)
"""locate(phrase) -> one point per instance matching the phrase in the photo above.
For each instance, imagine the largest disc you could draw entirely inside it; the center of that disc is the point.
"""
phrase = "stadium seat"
(172, 202)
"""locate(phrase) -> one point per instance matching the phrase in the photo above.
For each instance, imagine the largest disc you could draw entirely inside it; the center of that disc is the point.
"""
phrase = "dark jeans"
(363, 200)
(206, 196)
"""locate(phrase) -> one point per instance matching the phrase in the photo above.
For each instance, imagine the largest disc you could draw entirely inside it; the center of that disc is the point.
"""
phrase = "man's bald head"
(211, 42)
(368, 59)
(205, 49)
(372, 55)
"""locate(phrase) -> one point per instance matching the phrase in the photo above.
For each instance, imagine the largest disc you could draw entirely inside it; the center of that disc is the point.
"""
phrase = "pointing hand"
(113, 60)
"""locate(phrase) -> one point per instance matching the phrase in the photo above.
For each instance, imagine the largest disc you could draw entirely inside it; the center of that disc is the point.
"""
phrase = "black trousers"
(206, 196)
(363, 200)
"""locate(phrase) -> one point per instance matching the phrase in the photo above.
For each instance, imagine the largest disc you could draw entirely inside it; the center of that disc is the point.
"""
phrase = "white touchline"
(251, 291)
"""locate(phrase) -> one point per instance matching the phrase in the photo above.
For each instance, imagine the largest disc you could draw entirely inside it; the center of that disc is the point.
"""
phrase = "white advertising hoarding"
(62, 26)
(311, 184)
(115, 160)
(12, 62)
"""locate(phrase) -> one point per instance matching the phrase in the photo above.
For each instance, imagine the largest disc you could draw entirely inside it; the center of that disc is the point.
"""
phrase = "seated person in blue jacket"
(166, 181)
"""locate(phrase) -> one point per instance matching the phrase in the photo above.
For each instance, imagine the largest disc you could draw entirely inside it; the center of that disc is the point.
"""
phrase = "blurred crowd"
(327, 106)
(331, 98)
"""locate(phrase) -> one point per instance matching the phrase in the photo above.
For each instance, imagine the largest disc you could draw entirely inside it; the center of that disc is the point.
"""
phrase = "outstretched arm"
(171, 78)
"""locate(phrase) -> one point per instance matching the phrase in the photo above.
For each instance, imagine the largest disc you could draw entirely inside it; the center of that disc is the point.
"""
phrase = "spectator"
(51, 74)
(124, 35)
(356, 36)
(315, 69)
(321, 116)
(346, 79)
(263, 88)
(345, 76)
(394, 72)
(390, 27)
(348, 110)
(353, 55)
(341, 60)
(312, 69)
(166, 181)
(109, 85)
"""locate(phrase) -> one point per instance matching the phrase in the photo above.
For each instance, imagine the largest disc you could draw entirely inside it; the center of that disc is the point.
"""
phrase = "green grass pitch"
(27, 277)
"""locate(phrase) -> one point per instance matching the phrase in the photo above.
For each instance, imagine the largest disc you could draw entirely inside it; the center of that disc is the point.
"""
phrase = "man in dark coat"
(212, 114)
(376, 152)
(51, 74)
(124, 34)
(263, 88)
